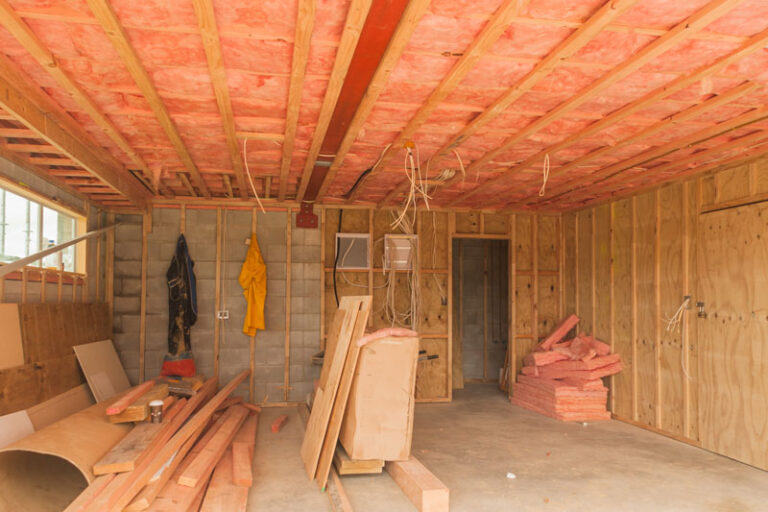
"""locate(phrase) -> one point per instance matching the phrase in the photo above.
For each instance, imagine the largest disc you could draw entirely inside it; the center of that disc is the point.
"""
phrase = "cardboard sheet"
(102, 368)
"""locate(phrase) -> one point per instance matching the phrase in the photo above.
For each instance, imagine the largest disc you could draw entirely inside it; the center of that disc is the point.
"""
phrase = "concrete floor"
(472, 443)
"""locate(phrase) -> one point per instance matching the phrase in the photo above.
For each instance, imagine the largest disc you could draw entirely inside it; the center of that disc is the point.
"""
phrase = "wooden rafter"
(755, 43)
(185, 181)
(694, 23)
(37, 119)
(413, 13)
(116, 34)
(32, 148)
(491, 32)
(696, 110)
(24, 35)
(572, 44)
(206, 20)
(753, 116)
(305, 22)
(356, 15)
(17, 133)
(692, 161)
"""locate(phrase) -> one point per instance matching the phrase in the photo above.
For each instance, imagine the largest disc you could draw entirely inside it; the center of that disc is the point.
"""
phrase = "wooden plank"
(206, 21)
(584, 262)
(146, 228)
(241, 465)
(694, 23)
(201, 466)
(408, 22)
(222, 494)
(305, 21)
(579, 38)
(288, 292)
(129, 398)
(27, 38)
(340, 401)
(346, 466)
(423, 488)
(487, 37)
(34, 117)
(217, 296)
(131, 449)
(336, 351)
(356, 15)
(108, 20)
(645, 247)
(139, 409)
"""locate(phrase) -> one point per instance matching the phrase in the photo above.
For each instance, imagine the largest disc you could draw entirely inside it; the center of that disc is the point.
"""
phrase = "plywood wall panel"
(733, 183)
(584, 282)
(548, 304)
(382, 225)
(495, 223)
(547, 241)
(602, 248)
(647, 355)
(690, 373)
(432, 374)
(623, 341)
(523, 298)
(570, 268)
(468, 222)
(671, 240)
(434, 240)
(434, 304)
(524, 242)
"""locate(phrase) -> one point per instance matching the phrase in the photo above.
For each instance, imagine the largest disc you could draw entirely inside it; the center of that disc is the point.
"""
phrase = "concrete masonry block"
(203, 251)
(236, 340)
(274, 318)
(131, 324)
(312, 237)
(126, 305)
(276, 271)
(234, 358)
(275, 355)
(128, 233)
(129, 286)
(306, 254)
(275, 288)
(274, 253)
(125, 341)
(311, 305)
(305, 322)
(270, 338)
(296, 373)
(297, 272)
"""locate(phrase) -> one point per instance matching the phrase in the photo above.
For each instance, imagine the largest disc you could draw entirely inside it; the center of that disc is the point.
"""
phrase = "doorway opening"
(480, 309)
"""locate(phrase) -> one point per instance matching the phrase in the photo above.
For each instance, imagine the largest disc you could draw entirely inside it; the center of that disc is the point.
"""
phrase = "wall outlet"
(222, 315)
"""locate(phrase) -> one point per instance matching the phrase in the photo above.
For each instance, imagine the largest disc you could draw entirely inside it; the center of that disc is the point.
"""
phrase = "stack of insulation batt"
(561, 379)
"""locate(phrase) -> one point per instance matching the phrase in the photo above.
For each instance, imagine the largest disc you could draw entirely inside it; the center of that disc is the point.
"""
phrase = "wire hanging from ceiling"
(248, 173)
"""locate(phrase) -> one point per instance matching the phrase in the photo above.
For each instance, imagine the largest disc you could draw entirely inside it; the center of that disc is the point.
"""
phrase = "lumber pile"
(562, 378)
(198, 458)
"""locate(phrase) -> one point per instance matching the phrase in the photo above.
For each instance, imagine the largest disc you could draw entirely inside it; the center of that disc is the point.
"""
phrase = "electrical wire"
(248, 173)
(545, 176)
(674, 323)
(336, 259)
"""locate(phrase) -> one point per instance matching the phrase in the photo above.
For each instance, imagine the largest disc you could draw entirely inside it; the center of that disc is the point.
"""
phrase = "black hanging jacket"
(182, 299)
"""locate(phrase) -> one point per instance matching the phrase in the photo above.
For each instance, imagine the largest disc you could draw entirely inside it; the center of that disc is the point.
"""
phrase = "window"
(27, 227)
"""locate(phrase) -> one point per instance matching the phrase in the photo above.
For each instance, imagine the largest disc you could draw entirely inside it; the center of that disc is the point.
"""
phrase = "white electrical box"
(353, 251)
(400, 252)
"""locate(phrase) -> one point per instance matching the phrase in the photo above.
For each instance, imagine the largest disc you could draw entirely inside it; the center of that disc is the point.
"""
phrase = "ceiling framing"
(122, 103)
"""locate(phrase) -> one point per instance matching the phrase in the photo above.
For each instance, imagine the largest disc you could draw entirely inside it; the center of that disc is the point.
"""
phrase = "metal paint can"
(156, 411)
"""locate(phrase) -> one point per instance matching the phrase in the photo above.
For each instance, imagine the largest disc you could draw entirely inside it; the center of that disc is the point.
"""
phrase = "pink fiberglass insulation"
(256, 38)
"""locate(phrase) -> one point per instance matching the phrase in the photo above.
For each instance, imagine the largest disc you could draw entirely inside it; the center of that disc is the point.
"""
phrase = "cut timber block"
(559, 332)
(223, 495)
(129, 398)
(139, 410)
(205, 461)
(423, 488)
(346, 466)
(279, 422)
(241, 465)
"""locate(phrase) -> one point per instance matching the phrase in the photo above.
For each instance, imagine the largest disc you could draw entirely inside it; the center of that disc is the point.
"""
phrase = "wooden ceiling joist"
(24, 35)
(36, 119)
(696, 110)
(696, 22)
(491, 32)
(32, 148)
(185, 181)
(572, 44)
(18, 133)
(206, 20)
(305, 22)
(394, 50)
(116, 34)
(356, 15)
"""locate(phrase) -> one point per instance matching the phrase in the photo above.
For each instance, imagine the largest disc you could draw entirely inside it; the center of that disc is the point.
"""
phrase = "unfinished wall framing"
(629, 264)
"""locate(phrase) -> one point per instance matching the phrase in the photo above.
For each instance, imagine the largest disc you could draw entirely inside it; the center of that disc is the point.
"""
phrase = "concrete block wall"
(234, 352)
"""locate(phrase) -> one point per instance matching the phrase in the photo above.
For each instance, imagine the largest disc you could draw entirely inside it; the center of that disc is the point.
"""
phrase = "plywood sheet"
(733, 383)
(602, 327)
(24, 386)
(570, 264)
(692, 215)
(548, 301)
(585, 271)
(433, 240)
(524, 242)
(434, 304)
(432, 374)
(103, 371)
(547, 241)
(467, 222)
(495, 224)
(645, 254)
(733, 183)
(523, 305)
(14, 426)
(671, 240)
(11, 345)
(623, 343)
(60, 406)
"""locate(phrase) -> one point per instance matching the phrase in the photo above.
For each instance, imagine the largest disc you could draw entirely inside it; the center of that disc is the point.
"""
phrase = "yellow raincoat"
(253, 279)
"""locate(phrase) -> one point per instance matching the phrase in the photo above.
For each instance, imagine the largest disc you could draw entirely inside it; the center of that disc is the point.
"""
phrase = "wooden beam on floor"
(490, 33)
(39, 120)
(116, 33)
(356, 15)
(682, 31)
(24, 35)
(582, 36)
(408, 21)
(305, 21)
(206, 20)
(424, 489)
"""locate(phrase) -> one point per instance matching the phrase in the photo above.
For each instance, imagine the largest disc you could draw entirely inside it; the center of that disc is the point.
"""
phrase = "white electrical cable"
(250, 179)
(673, 324)
(545, 176)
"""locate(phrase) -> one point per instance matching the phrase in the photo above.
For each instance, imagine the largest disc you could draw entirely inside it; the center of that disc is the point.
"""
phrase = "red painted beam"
(380, 25)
